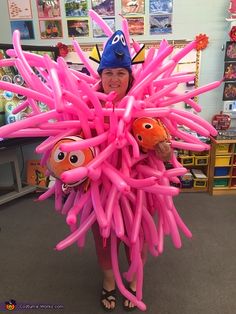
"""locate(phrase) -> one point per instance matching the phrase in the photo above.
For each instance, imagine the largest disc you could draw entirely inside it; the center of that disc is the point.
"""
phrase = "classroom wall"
(190, 18)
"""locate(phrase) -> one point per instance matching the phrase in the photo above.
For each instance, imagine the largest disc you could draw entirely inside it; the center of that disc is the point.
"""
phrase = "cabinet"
(222, 174)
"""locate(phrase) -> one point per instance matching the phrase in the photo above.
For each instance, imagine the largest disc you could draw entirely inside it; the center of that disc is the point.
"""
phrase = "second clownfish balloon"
(149, 132)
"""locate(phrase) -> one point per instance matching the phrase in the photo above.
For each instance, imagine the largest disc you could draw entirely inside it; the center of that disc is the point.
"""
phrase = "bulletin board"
(64, 19)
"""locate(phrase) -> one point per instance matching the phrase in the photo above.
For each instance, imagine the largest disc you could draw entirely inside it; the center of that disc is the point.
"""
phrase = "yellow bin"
(222, 161)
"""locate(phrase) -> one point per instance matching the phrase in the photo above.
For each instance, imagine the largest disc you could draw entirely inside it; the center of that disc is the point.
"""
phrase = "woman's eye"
(59, 155)
(115, 39)
(77, 158)
(122, 73)
(123, 40)
(107, 73)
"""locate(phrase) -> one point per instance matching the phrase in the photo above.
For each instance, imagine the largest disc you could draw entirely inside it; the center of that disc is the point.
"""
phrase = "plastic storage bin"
(222, 148)
(234, 171)
(199, 183)
(233, 182)
(222, 171)
(186, 160)
(201, 160)
(221, 182)
(222, 161)
(186, 184)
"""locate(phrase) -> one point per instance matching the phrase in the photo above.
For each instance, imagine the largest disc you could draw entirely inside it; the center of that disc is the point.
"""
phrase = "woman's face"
(115, 80)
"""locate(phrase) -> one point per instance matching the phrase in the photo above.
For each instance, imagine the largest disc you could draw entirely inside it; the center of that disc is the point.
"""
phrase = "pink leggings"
(104, 252)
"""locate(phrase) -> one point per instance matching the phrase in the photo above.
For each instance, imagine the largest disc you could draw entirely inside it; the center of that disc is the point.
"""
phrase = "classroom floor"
(200, 278)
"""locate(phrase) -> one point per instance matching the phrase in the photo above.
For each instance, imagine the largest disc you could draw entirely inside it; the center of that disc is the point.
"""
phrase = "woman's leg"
(104, 260)
(133, 282)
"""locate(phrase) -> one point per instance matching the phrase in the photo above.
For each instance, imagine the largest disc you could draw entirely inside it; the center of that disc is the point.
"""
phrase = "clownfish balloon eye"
(149, 132)
(60, 161)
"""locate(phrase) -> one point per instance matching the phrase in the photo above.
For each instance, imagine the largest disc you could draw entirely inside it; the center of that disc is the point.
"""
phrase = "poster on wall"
(78, 28)
(230, 51)
(229, 92)
(160, 24)
(98, 32)
(230, 71)
(48, 9)
(50, 29)
(136, 25)
(160, 6)
(19, 9)
(132, 7)
(25, 27)
(104, 7)
(76, 8)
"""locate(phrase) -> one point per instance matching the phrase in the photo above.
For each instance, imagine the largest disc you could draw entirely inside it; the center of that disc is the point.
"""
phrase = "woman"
(116, 75)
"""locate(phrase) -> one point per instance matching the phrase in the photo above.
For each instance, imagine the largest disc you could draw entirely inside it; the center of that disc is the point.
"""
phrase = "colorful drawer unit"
(201, 160)
(222, 171)
(219, 183)
(222, 148)
(222, 161)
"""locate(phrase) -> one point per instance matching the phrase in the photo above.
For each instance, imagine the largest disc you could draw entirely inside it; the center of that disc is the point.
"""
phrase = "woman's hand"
(163, 151)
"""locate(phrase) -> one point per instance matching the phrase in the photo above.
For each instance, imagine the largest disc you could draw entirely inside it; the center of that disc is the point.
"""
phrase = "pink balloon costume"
(127, 187)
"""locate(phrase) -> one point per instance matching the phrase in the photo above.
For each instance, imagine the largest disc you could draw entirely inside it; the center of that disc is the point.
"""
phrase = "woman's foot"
(108, 299)
(128, 305)
(108, 295)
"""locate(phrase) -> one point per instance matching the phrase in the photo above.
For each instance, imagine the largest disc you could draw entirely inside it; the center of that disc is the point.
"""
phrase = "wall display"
(48, 9)
(19, 9)
(25, 27)
(160, 24)
(230, 71)
(98, 32)
(229, 91)
(10, 100)
(160, 6)
(136, 25)
(230, 51)
(50, 29)
(78, 28)
(76, 8)
(132, 6)
(104, 7)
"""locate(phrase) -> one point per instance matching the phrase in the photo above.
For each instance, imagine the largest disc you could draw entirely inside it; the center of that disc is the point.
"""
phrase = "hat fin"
(95, 54)
(140, 56)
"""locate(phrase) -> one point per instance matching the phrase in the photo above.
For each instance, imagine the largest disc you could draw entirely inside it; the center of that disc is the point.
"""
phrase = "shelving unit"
(198, 162)
(9, 155)
(222, 173)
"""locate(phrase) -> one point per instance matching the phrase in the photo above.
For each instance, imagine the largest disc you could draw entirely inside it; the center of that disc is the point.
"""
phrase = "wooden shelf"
(226, 186)
(223, 177)
(204, 168)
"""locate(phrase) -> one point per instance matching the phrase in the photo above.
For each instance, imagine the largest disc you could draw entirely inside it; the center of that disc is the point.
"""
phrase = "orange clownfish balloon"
(60, 161)
(149, 132)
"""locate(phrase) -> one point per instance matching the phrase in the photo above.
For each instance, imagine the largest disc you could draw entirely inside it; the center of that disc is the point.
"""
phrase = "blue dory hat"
(116, 54)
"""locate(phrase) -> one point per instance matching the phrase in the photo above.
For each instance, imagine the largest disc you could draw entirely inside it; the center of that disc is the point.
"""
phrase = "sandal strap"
(107, 294)
(132, 291)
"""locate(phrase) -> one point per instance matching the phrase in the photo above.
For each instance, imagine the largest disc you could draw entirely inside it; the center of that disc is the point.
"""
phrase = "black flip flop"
(127, 307)
(109, 296)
